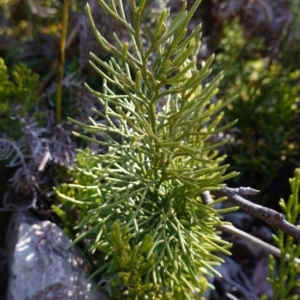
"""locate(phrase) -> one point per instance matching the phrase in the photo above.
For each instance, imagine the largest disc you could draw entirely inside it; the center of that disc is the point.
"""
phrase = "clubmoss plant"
(156, 130)
(286, 279)
(18, 94)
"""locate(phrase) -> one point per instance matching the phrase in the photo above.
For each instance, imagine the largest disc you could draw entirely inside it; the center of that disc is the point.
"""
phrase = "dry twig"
(270, 216)
(241, 234)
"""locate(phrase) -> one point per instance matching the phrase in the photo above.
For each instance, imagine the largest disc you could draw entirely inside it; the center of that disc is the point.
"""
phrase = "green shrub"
(156, 130)
(267, 107)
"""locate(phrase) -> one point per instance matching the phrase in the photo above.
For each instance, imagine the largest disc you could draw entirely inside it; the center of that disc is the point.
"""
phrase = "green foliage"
(20, 89)
(129, 264)
(158, 160)
(18, 94)
(287, 277)
(267, 106)
(83, 187)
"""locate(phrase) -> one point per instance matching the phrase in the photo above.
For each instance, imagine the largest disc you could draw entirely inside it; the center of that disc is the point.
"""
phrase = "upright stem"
(61, 58)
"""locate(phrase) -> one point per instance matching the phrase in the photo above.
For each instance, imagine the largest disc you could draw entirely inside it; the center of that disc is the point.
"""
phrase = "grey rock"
(43, 266)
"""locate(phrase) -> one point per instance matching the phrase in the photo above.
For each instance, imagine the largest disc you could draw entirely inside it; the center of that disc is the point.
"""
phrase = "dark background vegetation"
(256, 45)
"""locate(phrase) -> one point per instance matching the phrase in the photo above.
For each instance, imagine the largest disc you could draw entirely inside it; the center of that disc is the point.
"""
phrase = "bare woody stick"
(241, 234)
(270, 216)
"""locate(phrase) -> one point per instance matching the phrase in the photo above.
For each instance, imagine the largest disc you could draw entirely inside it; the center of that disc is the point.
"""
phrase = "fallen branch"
(270, 216)
(241, 234)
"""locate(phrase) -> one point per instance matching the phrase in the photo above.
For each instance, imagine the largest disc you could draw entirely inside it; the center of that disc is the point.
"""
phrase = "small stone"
(42, 266)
